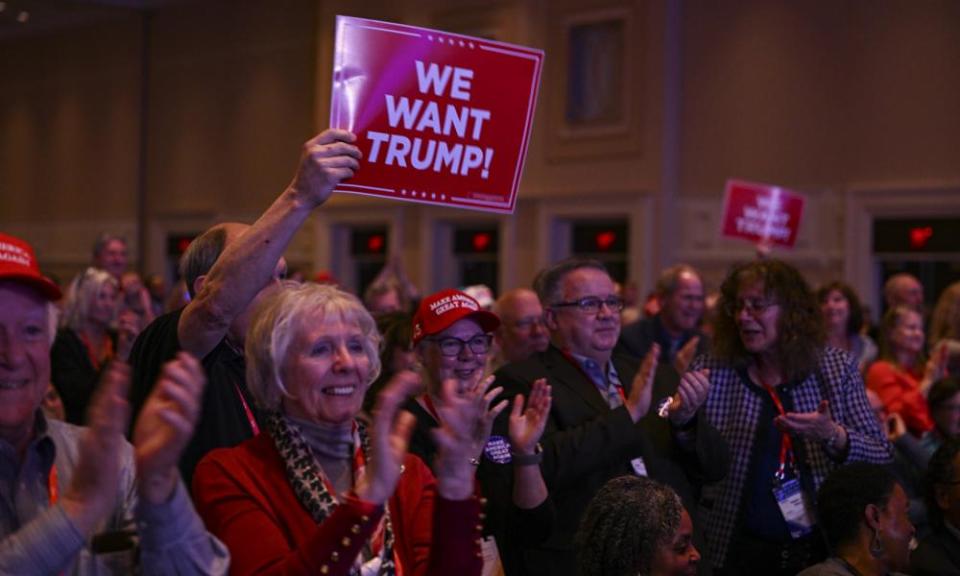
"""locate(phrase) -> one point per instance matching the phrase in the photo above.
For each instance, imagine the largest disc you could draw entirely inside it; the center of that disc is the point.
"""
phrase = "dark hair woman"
(790, 409)
(863, 513)
(843, 321)
(636, 527)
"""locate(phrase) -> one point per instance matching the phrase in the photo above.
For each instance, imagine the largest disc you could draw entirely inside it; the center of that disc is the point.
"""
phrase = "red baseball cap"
(440, 310)
(19, 263)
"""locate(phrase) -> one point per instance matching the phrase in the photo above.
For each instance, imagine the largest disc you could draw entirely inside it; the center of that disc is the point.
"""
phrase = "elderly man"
(598, 426)
(521, 333)
(110, 254)
(73, 499)
(903, 289)
(226, 269)
(676, 327)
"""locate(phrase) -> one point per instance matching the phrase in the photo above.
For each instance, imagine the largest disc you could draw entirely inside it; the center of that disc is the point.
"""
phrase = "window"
(606, 240)
(368, 250)
(475, 250)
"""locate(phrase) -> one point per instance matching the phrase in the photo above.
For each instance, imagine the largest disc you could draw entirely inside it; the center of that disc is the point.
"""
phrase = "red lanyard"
(576, 364)
(429, 407)
(91, 353)
(52, 485)
(246, 409)
(786, 444)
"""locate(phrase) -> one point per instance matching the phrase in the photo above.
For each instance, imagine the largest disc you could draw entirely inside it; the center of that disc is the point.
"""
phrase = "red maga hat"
(440, 310)
(19, 263)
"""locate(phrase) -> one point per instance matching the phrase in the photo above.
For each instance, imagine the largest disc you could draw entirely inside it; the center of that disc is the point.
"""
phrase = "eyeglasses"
(450, 346)
(753, 306)
(592, 304)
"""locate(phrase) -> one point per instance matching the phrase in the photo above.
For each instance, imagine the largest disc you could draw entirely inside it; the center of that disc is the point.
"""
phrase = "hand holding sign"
(326, 160)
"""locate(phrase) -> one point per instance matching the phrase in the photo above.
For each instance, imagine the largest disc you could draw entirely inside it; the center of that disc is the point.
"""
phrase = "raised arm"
(249, 262)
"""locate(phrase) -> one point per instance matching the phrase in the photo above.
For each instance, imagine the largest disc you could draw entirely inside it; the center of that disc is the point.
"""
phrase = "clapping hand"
(165, 426)
(691, 394)
(818, 425)
(685, 355)
(641, 393)
(390, 437)
(466, 419)
(92, 493)
(526, 426)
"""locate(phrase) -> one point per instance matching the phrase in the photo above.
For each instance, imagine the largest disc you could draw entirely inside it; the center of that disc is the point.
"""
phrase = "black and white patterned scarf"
(311, 486)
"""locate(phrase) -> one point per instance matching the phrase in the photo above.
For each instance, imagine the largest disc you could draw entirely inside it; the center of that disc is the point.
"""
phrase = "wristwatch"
(527, 459)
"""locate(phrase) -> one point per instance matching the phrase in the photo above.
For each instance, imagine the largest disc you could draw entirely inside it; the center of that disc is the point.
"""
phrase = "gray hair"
(282, 314)
(548, 281)
(105, 238)
(670, 278)
(87, 288)
(201, 255)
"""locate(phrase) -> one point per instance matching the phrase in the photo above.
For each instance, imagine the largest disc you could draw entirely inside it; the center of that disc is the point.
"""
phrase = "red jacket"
(900, 392)
(244, 498)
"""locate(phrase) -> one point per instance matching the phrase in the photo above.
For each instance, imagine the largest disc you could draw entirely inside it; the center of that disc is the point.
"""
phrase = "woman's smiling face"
(326, 370)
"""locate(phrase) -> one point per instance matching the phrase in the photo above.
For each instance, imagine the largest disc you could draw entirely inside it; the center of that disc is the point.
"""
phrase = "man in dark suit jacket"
(680, 293)
(597, 428)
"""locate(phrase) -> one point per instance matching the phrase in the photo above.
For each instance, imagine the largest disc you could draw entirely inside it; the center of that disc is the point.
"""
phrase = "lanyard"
(91, 353)
(253, 421)
(576, 364)
(52, 485)
(430, 407)
(786, 444)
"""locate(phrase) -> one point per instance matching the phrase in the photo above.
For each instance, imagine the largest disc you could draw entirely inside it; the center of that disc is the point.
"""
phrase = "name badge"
(639, 466)
(794, 507)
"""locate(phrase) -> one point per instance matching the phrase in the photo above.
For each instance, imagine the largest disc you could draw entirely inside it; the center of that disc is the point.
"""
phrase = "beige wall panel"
(69, 124)
(231, 103)
(762, 90)
(904, 59)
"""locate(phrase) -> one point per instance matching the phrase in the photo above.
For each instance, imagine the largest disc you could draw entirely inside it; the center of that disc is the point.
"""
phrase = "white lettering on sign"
(439, 120)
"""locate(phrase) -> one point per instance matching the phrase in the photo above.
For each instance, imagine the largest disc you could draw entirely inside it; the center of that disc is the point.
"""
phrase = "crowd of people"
(263, 425)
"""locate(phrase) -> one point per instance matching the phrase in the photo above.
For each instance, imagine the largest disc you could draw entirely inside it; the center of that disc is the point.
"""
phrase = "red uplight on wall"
(375, 243)
(605, 240)
(183, 244)
(920, 236)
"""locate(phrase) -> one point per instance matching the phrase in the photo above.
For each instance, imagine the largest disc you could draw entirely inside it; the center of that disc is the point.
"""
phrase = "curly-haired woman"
(636, 526)
(791, 410)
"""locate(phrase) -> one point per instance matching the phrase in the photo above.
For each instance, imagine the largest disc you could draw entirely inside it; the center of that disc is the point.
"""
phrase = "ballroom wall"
(196, 114)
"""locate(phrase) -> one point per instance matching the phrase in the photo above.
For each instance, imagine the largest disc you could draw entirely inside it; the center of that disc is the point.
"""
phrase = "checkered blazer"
(734, 410)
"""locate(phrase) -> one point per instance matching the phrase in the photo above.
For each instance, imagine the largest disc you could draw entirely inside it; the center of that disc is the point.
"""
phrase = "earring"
(876, 546)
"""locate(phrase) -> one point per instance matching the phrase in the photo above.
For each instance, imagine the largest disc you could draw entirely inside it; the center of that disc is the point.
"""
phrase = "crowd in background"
(289, 426)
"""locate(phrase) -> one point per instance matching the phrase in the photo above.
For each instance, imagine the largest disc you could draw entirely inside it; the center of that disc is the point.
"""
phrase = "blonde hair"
(945, 322)
(86, 289)
(282, 314)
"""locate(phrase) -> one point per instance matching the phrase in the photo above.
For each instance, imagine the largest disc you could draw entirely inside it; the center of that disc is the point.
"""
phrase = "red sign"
(440, 118)
(761, 213)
